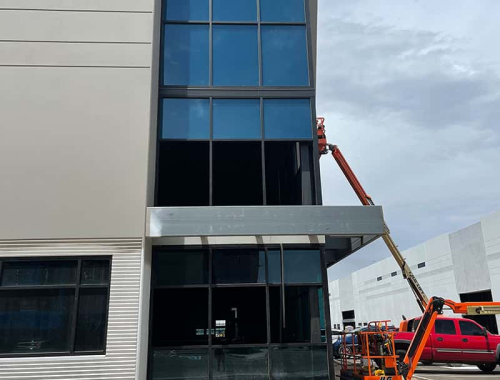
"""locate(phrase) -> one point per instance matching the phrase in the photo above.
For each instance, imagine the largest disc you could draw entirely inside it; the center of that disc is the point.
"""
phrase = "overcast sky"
(411, 93)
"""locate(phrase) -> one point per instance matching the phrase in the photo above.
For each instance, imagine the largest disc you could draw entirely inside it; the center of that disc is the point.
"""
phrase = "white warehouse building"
(462, 266)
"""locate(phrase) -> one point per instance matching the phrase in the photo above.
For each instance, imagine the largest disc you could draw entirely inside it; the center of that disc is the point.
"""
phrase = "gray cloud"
(416, 110)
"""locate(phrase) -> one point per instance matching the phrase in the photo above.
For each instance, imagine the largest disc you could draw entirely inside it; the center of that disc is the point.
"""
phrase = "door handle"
(465, 340)
(440, 339)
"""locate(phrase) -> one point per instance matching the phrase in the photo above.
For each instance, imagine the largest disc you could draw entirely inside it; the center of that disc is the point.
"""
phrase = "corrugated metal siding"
(121, 351)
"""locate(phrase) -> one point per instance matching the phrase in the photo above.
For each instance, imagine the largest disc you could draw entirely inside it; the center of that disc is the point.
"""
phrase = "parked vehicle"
(453, 340)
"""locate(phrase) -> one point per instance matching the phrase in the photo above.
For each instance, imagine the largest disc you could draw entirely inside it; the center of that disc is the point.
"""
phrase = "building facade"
(161, 208)
(461, 266)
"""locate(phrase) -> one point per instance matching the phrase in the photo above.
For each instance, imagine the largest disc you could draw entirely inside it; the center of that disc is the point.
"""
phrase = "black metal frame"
(255, 92)
(76, 287)
(210, 286)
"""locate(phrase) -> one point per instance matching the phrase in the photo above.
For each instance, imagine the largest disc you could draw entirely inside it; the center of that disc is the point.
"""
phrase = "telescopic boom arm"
(325, 148)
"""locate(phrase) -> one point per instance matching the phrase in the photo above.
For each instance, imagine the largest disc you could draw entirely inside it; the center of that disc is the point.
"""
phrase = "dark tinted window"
(180, 268)
(240, 363)
(274, 266)
(239, 266)
(379, 278)
(421, 265)
(36, 321)
(91, 321)
(235, 55)
(394, 274)
(185, 119)
(302, 266)
(309, 362)
(287, 118)
(231, 10)
(284, 56)
(469, 328)
(20, 273)
(282, 10)
(95, 272)
(183, 10)
(180, 317)
(185, 56)
(236, 119)
(180, 364)
(444, 326)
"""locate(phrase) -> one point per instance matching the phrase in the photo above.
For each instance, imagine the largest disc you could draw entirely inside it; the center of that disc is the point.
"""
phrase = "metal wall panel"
(119, 362)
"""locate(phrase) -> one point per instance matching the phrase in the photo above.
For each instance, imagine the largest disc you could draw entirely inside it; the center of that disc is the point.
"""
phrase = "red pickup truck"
(454, 340)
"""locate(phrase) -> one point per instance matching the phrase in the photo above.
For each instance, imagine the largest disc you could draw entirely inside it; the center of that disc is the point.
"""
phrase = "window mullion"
(75, 308)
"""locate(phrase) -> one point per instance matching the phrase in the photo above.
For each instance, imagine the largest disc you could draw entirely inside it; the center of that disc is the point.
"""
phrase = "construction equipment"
(375, 343)
(434, 308)
(325, 148)
(431, 308)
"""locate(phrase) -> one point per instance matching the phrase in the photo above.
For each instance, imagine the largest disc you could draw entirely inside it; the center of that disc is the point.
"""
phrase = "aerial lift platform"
(431, 308)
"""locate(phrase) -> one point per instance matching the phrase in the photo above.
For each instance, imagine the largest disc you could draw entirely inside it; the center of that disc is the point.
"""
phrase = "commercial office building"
(130, 127)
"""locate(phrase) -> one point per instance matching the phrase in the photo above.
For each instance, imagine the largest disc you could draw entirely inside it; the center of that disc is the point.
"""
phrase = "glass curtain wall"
(237, 104)
(246, 313)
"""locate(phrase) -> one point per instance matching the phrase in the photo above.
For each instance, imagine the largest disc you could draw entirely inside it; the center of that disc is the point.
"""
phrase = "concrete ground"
(445, 372)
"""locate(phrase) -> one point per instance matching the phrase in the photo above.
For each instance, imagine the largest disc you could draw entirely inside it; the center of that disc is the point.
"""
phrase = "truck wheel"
(487, 368)
(426, 362)
(401, 353)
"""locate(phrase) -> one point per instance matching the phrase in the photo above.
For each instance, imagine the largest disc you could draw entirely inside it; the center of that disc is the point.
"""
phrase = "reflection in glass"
(91, 321)
(235, 55)
(282, 10)
(180, 364)
(231, 10)
(284, 56)
(274, 266)
(179, 317)
(186, 10)
(302, 266)
(180, 268)
(185, 55)
(236, 119)
(185, 119)
(287, 118)
(34, 321)
(95, 272)
(239, 266)
(239, 315)
(297, 363)
(19, 273)
(240, 363)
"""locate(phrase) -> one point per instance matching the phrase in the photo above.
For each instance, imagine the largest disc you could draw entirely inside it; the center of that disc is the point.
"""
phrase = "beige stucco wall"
(74, 117)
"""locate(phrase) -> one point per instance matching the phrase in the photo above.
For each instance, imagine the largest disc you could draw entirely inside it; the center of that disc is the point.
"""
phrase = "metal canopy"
(341, 221)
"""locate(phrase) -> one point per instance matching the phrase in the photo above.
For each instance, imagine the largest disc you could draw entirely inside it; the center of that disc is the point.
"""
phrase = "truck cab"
(453, 340)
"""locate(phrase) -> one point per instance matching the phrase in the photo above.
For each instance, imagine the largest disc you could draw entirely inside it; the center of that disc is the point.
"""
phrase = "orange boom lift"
(430, 308)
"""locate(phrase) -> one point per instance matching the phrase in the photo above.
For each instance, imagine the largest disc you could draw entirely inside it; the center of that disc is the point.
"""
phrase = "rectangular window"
(445, 326)
(186, 10)
(180, 364)
(180, 268)
(237, 119)
(235, 55)
(38, 300)
(240, 363)
(394, 274)
(287, 119)
(289, 178)
(186, 55)
(186, 183)
(302, 266)
(231, 10)
(282, 10)
(274, 266)
(309, 362)
(179, 315)
(185, 119)
(421, 265)
(379, 278)
(237, 174)
(284, 56)
(239, 266)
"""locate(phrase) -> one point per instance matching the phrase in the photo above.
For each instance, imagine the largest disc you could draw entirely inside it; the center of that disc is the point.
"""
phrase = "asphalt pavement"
(445, 372)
